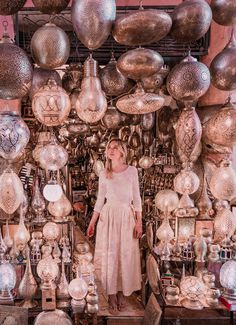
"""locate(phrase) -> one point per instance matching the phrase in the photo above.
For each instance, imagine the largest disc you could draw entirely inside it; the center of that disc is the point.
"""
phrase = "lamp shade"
(8, 276)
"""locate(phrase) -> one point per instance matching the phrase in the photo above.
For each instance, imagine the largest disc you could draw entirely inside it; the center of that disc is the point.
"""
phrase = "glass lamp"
(7, 283)
(60, 209)
(52, 191)
(47, 270)
(166, 201)
(193, 289)
(51, 231)
(228, 279)
(53, 156)
(224, 223)
(22, 235)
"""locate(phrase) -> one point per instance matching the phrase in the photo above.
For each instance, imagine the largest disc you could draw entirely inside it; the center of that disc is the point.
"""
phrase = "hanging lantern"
(139, 63)
(11, 191)
(188, 80)
(91, 104)
(188, 133)
(53, 156)
(128, 29)
(153, 83)
(51, 104)
(43, 139)
(92, 21)
(50, 46)
(11, 7)
(220, 128)
(16, 70)
(186, 181)
(166, 201)
(113, 82)
(224, 12)
(147, 121)
(134, 140)
(140, 102)
(223, 182)
(60, 209)
(40, 79)
(72, 78)
(51, 7)
(223, 75)
(14, 135)
(112, 119)
(22, 235)
(145, 162)
(191, 20)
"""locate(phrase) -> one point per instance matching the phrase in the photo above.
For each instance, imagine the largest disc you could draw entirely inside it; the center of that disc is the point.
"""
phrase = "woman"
(117, 258)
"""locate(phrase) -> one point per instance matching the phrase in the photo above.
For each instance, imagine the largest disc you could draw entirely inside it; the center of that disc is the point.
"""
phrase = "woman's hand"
(138, 229)
(90, 229)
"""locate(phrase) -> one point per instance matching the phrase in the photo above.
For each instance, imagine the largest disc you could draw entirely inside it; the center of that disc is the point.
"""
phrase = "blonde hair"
(122, 148)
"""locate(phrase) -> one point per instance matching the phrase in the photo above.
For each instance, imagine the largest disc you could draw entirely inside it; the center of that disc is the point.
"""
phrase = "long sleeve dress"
(117, 256)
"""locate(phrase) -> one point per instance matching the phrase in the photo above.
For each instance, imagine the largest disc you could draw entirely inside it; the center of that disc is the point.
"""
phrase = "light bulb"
(91, 104)
(52, 192)
(78, 288)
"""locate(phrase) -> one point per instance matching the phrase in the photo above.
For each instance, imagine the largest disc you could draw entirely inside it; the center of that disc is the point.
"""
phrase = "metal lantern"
(11, 191)
(40, 79)
(53, 156)
(140, 102)
(72, 78)
(113, 82)
(139, 63)
(191, 20)
(129, 28)
(224, 12)
(16, 70)
(14, 135)
(91, 104)
(51, 104)
(154, 82)
(188, 80)
(188, 133)
(222, 68)
(112, 119)
(10, 7)
(186, 182)
(92, 21)
(50, 46)
(51, 7)
(220, 128)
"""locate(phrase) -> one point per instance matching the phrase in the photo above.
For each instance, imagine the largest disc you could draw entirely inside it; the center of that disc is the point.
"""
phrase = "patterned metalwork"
(129, 29)
(191, 20)
(224, 12)
(10, 7)
(222, 67)
(113, 82)
(188, 133)
(51, 7)
(92, 21)
(72, 77)
(50, 46)
(188, 80)
(139, 63)
(14, 135)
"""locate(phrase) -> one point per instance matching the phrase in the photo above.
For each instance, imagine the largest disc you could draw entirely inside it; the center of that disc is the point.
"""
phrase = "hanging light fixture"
(51, 7)
(60, 209)
(91, 104)
(52, 191)
(140, 102)
(7, 283)
(53, 156)
(11, 191)
(224, 12)
(51, 104)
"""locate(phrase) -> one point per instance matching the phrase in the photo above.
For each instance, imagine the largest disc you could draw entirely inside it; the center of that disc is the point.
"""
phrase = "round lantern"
(191, 20)
(51, 231)
(140, 102)
(40, 79)
(228, 279)
(224, 11)
(78, 288)
(50, 46)
(188, 133)
(53, 156)
(92, 21)
(56, 316)
(223, 181)
(145, 162)
(186, 182)
(224, 223)
(10, 7)
(220, 128)
(16, 70)
(166, 200)
(14, 135)
(11, 191)
(223, 75)
(113, 82)
(72, 78)
(51, 7)
(128, 29)
(188, 80)
(91, 103)
(139, 63)
(60, 209)
(193, 289)
(51, 104)
(112, 119)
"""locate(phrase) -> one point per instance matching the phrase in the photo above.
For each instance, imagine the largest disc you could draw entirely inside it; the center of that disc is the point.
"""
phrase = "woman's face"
(114, 152)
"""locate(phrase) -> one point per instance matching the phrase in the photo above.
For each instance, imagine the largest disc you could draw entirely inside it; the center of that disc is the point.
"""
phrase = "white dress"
(117, 256)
